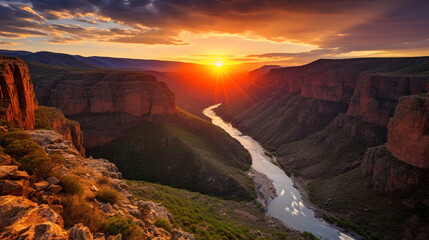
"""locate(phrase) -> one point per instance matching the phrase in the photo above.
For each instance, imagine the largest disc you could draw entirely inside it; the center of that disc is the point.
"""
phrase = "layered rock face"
(408, 135)
(388, 173)
(376, 96)
(17, 99)
(136, 94)
(103, 102)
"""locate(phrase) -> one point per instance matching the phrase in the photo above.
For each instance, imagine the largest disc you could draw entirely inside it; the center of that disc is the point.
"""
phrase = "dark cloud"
(348, 25)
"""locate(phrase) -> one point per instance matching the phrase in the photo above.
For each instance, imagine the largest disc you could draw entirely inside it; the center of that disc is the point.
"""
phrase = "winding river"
(288, 205)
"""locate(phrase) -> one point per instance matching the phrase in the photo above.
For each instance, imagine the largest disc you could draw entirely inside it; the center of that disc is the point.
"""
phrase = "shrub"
(309, 236)
(103, 180)
(163, 223)
(20, 148)
(71, 185)
(13, 135)
(108, 195)
(123, 225)
(45, 115)
(39, 164)
(77, 210)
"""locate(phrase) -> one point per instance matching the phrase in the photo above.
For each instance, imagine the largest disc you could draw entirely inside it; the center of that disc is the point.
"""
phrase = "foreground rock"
(90, 172)
(25, 219)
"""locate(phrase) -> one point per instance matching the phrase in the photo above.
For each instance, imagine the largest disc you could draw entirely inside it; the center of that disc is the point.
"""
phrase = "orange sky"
(255, 32)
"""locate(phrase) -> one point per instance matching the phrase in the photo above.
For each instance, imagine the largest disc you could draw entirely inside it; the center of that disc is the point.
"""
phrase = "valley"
(335, 138)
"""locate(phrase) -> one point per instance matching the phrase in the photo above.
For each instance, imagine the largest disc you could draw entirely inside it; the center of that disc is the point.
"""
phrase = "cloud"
(7, 43)
(347, 25)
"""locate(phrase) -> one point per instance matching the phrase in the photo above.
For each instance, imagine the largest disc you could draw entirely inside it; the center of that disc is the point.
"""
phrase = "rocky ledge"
(31, 209)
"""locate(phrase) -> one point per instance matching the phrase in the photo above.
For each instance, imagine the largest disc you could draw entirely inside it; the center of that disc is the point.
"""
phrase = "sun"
(218, 64)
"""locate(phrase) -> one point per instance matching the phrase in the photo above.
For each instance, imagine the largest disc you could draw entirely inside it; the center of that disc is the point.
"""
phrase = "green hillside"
(182, 151)
(210, 217)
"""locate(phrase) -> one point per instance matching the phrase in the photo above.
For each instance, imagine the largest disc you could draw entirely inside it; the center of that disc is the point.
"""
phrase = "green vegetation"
(349, 225)
(182, 151)
(163, 223)
(78, 210)
(40, 164)
(45, 116)
(13, 135)
(350, 196)
(18, 149)
(108, 195)
(71, 185)
(309, 236)
(123, 225)
(210, 217)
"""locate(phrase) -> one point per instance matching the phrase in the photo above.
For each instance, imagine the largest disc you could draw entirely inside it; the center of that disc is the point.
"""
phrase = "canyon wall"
(376, 96)
(295, 103)
(104, 102)
(98, 92)
(17, 99)
(408, 135)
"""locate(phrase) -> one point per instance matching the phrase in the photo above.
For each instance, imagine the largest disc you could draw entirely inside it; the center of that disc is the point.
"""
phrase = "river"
(288, 206)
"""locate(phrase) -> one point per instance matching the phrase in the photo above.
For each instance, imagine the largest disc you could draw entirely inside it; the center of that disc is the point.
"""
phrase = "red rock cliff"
(375, 97)
(87, 92)
(17, 99)
(408, 131)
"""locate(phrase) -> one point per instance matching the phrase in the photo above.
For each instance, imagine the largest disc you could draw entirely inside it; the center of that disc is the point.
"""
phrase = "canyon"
(47, 206)
(332, 120)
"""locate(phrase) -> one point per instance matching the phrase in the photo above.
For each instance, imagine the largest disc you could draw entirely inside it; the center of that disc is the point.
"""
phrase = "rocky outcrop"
(90, 171)
(408, 136)
(17, 99)
(52, 118)
(388, 173)
(25, 219)
(376, 96)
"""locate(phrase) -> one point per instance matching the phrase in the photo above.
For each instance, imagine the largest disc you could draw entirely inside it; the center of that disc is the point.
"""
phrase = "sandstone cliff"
(376, 96)
(17, 99)
(77, 91)
(389, 174)
(408, 135)
(104, 102)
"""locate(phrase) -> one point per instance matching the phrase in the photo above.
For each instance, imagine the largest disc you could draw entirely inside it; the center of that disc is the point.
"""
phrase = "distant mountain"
(14, 53)
(76, 61)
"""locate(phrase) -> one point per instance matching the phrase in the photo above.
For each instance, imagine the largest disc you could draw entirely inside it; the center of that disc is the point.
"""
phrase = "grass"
(185, 152)
(108, 195)
(163, 223)
(210, 217)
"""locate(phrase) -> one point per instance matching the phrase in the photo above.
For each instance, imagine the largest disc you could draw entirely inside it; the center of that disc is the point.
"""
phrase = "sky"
(254, 32)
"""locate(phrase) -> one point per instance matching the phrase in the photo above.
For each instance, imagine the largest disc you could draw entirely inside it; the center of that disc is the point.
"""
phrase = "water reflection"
(288, 206)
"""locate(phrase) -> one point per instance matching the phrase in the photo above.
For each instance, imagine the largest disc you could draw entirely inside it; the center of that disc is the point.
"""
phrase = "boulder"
(7, 170)
(41, 185)
(80, 232)
(52, 180)
(178, 234)
(12, 187)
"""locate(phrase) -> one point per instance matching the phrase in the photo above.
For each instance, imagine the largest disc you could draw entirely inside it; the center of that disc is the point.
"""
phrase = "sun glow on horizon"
(218, 64)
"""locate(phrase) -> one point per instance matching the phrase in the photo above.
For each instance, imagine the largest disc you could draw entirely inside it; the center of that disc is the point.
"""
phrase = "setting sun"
(218, 64)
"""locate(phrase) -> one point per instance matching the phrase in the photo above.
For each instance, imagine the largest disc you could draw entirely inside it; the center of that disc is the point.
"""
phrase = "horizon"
(249, 34)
